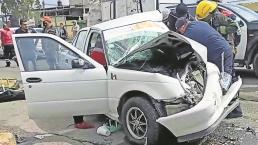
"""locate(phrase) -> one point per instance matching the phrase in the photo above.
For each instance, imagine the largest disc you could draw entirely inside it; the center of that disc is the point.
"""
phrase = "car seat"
(98, 53)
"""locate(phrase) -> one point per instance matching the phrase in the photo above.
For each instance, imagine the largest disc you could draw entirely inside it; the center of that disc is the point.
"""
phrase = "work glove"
(225, 81)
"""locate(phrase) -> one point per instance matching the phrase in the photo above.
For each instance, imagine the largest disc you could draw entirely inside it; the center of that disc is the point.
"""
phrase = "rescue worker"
(224, 23)
(208, 11)
(217, 47)
(180, 11)
(7, 44)
(209, 37)
(211, 0)
(49, 46)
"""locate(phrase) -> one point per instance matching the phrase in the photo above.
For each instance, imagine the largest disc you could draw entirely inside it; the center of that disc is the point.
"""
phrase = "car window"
(145, 55)
(81, 40)
(44, 54)
(123, 40)
(94, 41)
(118, 47)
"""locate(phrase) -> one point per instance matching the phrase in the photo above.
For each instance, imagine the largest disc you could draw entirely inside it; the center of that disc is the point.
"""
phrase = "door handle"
(33, 80)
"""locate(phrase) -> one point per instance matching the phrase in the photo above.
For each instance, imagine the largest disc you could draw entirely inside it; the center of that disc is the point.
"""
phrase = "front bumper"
(209, 130)
(203, 118)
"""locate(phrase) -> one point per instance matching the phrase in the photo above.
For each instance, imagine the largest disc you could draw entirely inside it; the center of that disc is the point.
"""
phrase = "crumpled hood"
(169, 36)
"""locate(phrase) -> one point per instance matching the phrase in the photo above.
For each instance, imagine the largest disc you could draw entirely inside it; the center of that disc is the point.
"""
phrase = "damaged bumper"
(203, 118)
(210, 129)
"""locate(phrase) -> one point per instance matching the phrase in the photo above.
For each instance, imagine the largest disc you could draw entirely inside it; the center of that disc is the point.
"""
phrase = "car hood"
(167, 38)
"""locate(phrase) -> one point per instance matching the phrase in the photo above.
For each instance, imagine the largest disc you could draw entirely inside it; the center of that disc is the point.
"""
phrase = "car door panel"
(241, 48)
(80, 41)
(63, 90)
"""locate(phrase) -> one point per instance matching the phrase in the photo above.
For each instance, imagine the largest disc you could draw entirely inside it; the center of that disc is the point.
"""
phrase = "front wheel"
(139, 121)
(255, 65)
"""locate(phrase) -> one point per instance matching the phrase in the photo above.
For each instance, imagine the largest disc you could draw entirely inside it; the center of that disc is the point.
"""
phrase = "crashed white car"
(152, 79)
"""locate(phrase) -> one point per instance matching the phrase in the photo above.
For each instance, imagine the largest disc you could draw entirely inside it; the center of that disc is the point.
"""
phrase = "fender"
(252, 49)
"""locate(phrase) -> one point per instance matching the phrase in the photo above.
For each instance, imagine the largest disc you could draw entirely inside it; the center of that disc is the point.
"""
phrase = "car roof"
(127, 20)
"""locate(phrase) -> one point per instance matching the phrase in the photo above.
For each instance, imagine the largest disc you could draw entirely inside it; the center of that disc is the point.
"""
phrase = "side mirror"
(80, 63)
(241, 23)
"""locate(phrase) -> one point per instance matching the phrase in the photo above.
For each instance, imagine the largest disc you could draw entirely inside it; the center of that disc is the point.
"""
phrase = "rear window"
(81, 40)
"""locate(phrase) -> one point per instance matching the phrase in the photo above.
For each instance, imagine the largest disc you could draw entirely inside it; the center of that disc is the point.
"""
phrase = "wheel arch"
(158, 105)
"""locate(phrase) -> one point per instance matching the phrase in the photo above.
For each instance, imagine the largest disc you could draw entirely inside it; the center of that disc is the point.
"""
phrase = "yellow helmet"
(204, 8)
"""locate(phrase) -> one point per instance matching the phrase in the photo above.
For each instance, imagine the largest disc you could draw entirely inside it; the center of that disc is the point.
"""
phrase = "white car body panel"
(155, 85)
(66, 88)
(241, 48)
(207, 112)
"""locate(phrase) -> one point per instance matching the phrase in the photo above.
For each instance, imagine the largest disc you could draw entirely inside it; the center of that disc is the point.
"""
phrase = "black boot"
(236, 113)
(8, 63)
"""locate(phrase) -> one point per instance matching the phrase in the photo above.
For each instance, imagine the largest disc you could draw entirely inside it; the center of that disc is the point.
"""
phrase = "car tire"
(255, 65)
(136, 112)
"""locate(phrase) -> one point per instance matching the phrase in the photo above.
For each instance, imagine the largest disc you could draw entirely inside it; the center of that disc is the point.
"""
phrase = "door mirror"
(241, 23)
(80, 63)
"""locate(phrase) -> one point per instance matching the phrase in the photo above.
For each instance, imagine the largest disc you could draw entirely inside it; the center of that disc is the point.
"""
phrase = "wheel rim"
(136, 123)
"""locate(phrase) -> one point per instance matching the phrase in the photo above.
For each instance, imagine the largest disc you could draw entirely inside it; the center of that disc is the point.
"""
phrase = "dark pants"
(228, 62)
(78, 119)
(9, 53)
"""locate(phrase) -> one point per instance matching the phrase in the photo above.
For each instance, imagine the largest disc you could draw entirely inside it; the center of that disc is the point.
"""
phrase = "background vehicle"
(247, 50)
(38, 30)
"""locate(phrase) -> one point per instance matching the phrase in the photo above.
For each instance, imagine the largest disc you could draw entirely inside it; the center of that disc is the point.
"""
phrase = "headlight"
(176, 106)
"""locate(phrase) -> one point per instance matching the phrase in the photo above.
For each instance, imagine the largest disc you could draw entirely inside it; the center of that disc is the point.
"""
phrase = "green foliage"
(37, 4)
(21, 8)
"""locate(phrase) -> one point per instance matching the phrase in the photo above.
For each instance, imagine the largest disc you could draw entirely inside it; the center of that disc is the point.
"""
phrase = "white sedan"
(143, 76)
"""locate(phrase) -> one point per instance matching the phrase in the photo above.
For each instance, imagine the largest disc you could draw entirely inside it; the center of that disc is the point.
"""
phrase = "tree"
(37, 4)
(21, 8)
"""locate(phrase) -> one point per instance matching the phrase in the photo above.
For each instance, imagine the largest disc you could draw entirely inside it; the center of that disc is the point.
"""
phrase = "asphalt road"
(249, 79)
(14, 118)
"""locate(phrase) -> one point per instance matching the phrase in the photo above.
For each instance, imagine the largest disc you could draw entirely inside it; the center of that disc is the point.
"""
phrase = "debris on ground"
(229, 138)
(113, 126)
(42, 136)
(251, 130)
(103, 130)
(10, 90)
(10, 83)
(7, 138)
(19, 139)
(109, 127)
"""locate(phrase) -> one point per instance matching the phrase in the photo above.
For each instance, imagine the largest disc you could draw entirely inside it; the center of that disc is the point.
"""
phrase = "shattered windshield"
(121, 41)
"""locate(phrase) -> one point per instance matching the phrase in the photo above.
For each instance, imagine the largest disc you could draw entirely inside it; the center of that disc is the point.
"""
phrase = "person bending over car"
(219, 50)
